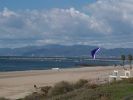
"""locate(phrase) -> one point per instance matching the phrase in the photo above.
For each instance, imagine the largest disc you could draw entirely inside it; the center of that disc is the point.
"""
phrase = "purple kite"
(93, 52)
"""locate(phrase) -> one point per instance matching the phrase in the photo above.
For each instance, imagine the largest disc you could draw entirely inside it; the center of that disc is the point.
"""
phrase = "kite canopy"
(93, 52)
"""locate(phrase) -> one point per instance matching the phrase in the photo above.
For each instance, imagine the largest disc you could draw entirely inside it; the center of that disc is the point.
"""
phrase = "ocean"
(44, 63)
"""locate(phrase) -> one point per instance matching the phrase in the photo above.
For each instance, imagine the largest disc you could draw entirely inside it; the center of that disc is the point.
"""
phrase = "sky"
(103, 23)
(43, 4)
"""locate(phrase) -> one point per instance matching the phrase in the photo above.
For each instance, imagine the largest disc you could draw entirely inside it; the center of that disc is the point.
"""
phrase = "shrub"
(60, 88)
(45, 89)
(129, 80)
(34, 96)
(91, 86)
(3, 98)
(80, 83)
(104, 98)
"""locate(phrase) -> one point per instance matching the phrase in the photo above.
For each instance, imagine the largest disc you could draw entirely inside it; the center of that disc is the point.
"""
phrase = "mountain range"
(63, 51)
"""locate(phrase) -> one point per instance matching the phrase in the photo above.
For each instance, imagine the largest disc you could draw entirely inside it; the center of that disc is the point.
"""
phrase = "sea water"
(36, 63)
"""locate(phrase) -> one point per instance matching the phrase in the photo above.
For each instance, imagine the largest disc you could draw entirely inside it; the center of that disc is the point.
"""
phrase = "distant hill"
(63, 51)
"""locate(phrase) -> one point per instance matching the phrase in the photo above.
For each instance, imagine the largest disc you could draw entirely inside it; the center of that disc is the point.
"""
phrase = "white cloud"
(61, 25)
(118, 15)
(107, 23)
(7, 13)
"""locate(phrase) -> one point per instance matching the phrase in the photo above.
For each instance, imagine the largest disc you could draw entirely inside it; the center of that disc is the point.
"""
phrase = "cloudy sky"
(104, 23)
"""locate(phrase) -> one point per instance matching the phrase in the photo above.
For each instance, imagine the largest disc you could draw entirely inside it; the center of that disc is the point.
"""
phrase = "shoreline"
(65, 68)
(47, 69)
(18, 84)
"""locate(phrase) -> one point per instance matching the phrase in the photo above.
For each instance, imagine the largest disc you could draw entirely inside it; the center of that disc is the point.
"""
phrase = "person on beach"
(36, 88)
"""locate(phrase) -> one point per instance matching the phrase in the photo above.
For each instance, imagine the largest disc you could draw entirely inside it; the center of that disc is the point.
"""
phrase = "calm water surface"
(21, 63)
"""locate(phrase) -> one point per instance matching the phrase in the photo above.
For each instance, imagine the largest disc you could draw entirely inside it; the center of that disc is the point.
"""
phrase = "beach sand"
(15, 85)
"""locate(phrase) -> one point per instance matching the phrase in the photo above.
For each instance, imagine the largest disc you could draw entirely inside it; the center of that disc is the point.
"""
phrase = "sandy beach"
(15, 85)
